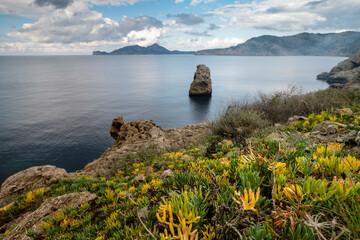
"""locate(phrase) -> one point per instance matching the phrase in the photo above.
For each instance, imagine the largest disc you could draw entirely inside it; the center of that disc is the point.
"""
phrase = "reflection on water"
(200, 106)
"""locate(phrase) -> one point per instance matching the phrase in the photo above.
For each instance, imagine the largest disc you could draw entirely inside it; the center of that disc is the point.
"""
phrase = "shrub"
(238, 124)
(243, 119)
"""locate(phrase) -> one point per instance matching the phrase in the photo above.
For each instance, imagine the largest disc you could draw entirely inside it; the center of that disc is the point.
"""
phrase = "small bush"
(238, 124)
(278, 107)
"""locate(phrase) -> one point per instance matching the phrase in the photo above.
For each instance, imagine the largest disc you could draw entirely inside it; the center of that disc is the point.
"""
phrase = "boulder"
(48, 209)
(30, 179)
(201, 84)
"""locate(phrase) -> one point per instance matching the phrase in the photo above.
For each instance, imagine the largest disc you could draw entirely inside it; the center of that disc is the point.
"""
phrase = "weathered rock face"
(51, 206)
(201, 84)
(346, 74)
(28, 179)
(135, 135)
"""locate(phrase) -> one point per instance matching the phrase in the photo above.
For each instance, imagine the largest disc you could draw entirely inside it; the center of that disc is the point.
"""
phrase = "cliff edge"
(129, 137)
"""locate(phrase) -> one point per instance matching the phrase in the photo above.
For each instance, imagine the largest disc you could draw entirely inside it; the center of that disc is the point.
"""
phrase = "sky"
(82, 26)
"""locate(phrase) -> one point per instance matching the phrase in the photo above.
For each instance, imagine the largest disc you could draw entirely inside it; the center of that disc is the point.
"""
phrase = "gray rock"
(166, 174)
(323, 76)
(357, 139)
(48, 209)
(350, 138)
(201, 84)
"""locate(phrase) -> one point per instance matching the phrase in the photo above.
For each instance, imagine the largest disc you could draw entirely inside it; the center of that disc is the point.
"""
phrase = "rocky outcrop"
(129, 138)
(28, 179)
(201, 84)
(48, 209)
(135, 135)
(346, 74)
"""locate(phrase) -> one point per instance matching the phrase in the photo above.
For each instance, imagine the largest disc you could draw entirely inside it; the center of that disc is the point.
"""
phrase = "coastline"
(129, 138)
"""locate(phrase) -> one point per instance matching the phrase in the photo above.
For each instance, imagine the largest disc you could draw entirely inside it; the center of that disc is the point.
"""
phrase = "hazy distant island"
(154, 49)
(308, 44)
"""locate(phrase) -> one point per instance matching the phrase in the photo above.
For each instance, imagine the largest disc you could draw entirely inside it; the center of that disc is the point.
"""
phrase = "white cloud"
(115, 2)
(71, 25)
(179, 1)
(78, 27)
(289, 15)
(196, 2)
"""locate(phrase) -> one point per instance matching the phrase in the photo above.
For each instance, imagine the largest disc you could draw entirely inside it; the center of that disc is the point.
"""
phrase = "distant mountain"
(330, 44)
(138, 50)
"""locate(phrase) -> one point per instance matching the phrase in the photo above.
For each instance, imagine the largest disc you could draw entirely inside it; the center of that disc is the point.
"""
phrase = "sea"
(58, 110)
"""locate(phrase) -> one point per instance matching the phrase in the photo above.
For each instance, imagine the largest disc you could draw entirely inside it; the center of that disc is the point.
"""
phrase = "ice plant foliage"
(248, 200)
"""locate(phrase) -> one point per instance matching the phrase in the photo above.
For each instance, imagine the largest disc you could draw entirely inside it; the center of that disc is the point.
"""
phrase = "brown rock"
(328, 127)
(166, 174)
(346, 111)
(51, 206)
(201, 84)
(138, 134)
(30, 179)
(140, 178)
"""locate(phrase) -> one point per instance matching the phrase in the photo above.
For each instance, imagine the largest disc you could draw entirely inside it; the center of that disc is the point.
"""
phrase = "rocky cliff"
(129, 137)
(345, 74)
(330, 44)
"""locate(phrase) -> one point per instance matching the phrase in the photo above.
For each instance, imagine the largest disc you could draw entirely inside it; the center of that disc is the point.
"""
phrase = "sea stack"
(201, 86)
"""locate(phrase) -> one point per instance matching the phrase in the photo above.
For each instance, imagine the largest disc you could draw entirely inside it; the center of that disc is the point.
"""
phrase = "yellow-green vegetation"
(261, 192)
(333, 115)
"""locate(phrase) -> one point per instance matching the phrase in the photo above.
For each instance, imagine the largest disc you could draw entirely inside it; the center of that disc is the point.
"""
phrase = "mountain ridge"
(314, 44)
(154, 49)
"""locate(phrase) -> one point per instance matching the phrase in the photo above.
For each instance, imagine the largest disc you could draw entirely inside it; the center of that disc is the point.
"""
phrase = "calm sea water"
(58, 109)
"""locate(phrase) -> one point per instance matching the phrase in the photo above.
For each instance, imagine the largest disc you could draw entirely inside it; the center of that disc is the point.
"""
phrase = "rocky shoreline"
(345, 74)
(129, 137)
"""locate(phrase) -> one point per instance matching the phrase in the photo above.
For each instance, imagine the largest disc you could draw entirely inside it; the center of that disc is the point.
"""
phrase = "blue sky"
(81, 26)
